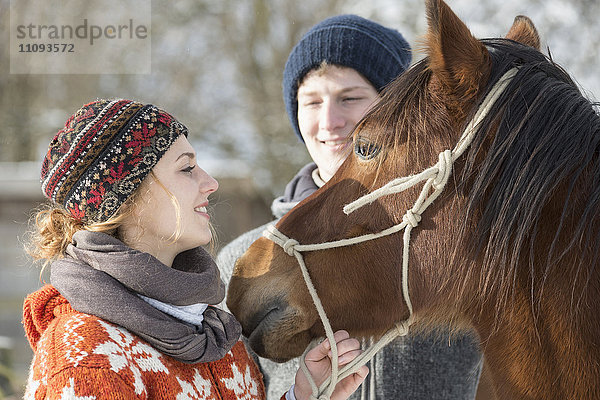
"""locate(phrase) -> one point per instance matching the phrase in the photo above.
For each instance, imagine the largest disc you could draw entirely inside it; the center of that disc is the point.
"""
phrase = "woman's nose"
(208, 183)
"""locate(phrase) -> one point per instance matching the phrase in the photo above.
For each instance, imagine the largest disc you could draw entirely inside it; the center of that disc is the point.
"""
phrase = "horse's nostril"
(268, 313)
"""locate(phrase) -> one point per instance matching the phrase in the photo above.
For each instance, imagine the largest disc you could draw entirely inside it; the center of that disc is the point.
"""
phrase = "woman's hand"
(318, 362)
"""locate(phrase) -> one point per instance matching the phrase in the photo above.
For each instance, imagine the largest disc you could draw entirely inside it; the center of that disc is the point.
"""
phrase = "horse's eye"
(365, 149)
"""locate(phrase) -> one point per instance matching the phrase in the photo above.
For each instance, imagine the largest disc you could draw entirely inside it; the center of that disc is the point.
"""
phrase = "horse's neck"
(543, 355)
(534, 350)
(543, 344)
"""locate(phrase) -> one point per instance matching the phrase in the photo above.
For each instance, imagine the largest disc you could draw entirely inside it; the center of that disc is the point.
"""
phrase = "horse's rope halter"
(436, 178)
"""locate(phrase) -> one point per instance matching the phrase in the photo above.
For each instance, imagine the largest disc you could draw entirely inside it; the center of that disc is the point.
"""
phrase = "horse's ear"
(460, 62)
(523, 31)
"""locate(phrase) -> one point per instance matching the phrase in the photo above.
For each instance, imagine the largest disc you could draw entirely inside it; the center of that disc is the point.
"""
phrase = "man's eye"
(365, 149)
(312, 103)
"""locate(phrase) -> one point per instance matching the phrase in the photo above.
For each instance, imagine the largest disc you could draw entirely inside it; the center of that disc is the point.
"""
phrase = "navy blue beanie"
(378, 53)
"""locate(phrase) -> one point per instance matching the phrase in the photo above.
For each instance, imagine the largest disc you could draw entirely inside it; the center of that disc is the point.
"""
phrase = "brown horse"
(510, 248)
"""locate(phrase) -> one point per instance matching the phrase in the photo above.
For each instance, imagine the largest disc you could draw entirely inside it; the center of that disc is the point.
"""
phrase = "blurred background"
(217, 66)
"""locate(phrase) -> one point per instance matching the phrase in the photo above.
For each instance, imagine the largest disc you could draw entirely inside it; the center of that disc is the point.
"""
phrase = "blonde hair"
(325, 66)
(177, 233)
(54, 227)
(320, 70)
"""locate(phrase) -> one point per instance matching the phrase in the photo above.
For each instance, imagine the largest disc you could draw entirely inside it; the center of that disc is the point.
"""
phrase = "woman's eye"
(365, 149)
(188, 169)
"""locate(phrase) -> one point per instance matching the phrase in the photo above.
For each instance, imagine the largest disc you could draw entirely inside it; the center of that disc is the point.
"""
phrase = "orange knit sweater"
(82, 357)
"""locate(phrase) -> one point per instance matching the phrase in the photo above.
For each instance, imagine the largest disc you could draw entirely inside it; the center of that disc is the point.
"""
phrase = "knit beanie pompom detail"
(104, 152)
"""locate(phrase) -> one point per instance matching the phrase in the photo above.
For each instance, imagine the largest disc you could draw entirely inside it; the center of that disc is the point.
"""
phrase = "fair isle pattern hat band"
(103, 154)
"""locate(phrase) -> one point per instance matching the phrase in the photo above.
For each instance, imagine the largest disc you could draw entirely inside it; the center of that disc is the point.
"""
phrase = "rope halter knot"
(444, 170)
(411, 218)
(436, 178)
(289, 246)
(403, 326)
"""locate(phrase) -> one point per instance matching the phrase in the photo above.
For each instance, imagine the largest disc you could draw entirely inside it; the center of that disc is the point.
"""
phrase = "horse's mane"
(531, 178)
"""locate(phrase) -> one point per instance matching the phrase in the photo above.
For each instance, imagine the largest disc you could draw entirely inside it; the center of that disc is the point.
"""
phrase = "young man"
(332, 77)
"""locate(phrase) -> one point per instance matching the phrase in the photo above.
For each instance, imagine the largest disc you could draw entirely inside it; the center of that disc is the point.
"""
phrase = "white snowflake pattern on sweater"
(32, 387)
(198, 389)
(125, 351)
(72, 339)
(40, 357)
(244, 387)
(68, 393)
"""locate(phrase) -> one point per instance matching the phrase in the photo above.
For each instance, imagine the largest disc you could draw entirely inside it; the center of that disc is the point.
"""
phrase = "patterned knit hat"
(380, 54)
(103, 153)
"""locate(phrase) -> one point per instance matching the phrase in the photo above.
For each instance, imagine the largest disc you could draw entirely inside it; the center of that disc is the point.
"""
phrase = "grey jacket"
(436, 366)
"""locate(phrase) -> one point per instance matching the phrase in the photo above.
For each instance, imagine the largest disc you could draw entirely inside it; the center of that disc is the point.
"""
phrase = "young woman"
(129, 312)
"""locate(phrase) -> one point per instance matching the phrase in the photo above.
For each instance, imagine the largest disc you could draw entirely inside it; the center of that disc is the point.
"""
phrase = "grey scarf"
(102, 276)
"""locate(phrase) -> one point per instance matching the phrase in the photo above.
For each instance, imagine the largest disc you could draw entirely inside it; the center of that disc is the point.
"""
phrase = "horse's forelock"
(402, 118)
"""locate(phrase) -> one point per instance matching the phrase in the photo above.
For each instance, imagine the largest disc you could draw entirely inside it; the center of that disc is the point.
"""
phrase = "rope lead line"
(435, 178)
